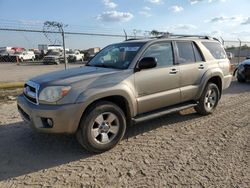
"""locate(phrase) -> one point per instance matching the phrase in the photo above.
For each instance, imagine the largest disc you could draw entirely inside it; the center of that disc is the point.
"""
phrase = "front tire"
(209, 99)
(102, 127)
(240, 79)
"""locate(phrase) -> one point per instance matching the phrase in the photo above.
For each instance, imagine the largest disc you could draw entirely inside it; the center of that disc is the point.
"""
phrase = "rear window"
(215, 49)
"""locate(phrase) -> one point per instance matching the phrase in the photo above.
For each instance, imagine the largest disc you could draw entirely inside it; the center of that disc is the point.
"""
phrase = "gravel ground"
(178, 150)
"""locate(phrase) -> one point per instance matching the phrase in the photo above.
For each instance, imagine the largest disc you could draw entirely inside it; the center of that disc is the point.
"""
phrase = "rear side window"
(186, 52)
(198, 56)
(215, 49)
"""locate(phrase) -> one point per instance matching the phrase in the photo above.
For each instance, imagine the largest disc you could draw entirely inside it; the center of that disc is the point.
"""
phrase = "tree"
(159, 33)
(155, 33)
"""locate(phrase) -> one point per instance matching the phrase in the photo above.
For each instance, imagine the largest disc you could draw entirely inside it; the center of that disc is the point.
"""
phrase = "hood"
(246, 62)
(70, 76)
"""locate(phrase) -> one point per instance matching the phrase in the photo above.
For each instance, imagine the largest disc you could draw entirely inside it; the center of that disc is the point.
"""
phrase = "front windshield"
(70, 52)
(118, 56)
(53, 53)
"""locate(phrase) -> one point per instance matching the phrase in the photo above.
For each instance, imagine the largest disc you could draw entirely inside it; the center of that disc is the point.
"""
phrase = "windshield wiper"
(103, 65)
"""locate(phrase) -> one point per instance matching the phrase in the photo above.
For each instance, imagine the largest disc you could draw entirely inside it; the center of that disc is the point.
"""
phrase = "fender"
(93, 94)
(216, 72)
(236, 69)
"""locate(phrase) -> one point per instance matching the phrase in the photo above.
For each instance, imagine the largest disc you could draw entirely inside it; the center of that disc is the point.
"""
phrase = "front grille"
(247, 70)
(33, 100)
(50, 59)
(31, 92)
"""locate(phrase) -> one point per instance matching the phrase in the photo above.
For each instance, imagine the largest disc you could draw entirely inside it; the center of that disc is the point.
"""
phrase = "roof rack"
(171, 35)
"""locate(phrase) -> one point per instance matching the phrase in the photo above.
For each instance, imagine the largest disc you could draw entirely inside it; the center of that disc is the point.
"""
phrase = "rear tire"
(209, 99)
(102, 127)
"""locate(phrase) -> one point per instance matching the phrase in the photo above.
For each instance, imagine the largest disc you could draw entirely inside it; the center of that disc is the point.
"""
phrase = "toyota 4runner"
(127, 83)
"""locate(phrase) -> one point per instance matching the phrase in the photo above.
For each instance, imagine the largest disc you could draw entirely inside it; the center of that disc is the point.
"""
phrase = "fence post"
(64, 53)
(17, 60)
(239, 51)
(223, 42)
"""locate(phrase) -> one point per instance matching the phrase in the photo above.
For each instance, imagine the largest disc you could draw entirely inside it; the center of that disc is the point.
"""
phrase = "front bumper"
(66, 118)
(227, 81)
(244, 73)
(51, 60)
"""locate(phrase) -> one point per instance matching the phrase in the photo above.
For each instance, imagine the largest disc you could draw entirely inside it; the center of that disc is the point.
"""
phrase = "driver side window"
(163, 53)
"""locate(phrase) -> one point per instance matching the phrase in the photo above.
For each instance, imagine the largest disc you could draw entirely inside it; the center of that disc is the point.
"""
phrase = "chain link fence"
(29, 45)
(237, 51)
(33, 45)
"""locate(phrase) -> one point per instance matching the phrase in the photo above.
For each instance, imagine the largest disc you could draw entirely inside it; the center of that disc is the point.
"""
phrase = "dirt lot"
(10, 72)
(178, 150)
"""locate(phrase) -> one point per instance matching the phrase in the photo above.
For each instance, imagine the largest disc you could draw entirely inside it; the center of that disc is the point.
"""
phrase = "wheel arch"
(118, 100)
(213, 78)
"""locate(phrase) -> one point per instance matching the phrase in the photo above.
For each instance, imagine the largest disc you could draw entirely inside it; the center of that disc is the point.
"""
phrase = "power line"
(67, 33)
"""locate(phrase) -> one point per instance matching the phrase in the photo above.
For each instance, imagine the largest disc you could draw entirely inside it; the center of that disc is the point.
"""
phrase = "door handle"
(173, 71)
(201, 66)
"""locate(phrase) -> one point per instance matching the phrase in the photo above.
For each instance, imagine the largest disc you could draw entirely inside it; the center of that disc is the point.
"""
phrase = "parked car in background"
(88, 56)
(125, 83)
(53, 57)
(24, 56)
(39, 54)
(242, 71)
(74, 56)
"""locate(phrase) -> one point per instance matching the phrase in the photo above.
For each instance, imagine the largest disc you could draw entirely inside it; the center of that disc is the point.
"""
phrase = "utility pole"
(239, 52)
(64, 50)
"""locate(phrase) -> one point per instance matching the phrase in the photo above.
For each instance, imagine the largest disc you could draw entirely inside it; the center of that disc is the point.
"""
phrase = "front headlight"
(241, 68)
(53, 93)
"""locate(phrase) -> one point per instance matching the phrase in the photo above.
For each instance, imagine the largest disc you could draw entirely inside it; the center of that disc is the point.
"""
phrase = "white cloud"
(109, 4)
(192, 2)
(182, 27)
(223, 19)
(176, 8)
(146, 8)
(246, 22)
(145, 13)
(115, 16)
(216, 33)
(156, 1)
(31, 22)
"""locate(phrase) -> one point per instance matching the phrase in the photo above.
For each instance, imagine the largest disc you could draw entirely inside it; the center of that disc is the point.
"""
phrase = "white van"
(25, 55)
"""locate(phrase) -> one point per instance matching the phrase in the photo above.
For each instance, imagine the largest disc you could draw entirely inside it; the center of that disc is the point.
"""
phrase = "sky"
(229, 19)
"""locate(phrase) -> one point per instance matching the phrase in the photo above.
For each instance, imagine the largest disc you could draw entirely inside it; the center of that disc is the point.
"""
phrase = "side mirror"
(147, 63)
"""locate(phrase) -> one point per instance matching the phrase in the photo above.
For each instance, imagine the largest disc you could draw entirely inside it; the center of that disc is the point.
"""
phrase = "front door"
(158, 87)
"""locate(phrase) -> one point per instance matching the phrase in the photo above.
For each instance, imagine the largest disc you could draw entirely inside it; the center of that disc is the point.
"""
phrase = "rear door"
(158, 87)
(192, 67)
